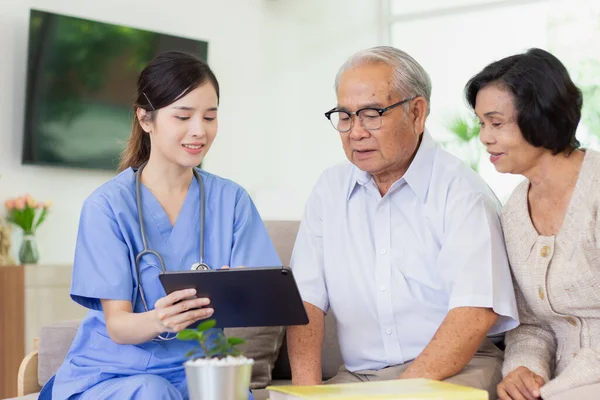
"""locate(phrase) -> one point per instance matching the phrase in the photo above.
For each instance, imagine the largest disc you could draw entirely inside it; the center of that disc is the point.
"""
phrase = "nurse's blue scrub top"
(104, 268)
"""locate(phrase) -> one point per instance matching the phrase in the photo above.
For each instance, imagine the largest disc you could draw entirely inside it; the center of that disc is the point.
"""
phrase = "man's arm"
(304, 343)
(453, 345)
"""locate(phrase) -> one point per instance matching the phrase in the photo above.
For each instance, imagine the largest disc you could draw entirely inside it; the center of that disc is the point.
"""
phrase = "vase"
(29, 252)
(227, 379)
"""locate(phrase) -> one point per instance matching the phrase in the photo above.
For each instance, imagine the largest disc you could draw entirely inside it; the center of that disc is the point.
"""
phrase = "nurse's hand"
(227, 267)
(178, 310)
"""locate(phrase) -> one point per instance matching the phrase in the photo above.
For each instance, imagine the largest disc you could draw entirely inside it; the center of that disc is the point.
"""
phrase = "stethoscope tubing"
(148, 251)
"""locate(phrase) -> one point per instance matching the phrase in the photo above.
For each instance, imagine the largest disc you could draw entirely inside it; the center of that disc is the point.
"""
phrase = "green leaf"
(464, 129)
(42, 217)
(235, 341)
(206, 325)
(190, 353)
(188, 334)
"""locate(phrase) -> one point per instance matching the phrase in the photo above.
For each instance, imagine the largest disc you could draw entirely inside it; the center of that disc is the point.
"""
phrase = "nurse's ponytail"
(165, 79)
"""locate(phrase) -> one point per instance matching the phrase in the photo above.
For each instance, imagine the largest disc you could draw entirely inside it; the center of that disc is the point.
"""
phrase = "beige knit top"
(557, 282)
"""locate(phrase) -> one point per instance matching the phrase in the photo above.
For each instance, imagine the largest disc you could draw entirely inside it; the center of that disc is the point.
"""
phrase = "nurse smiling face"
(182, 132)
(176, 116)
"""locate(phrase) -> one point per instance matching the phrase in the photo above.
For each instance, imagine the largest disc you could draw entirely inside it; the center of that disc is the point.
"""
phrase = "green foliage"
(212, 344)
(466, 131)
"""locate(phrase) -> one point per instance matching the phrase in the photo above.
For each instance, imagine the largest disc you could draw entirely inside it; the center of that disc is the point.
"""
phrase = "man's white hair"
(409, 77)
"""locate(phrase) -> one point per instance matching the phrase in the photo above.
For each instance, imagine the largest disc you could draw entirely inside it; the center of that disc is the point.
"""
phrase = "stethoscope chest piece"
(200, 266)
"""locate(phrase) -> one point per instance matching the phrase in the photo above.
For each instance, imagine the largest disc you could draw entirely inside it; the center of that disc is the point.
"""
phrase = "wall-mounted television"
(81, 83)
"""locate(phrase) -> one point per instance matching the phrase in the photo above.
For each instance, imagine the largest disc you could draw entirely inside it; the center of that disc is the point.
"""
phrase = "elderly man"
(403, 243)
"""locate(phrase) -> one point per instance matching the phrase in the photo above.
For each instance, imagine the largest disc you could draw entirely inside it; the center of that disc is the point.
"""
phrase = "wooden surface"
(27, 380)
(31, 296)
(12, 327)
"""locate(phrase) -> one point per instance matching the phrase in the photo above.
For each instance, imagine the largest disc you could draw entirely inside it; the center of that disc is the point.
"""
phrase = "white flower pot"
(214, 379)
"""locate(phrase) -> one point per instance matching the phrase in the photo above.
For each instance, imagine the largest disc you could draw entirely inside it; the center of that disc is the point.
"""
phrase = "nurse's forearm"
(305, 344)
(127, 327)
(453, 345)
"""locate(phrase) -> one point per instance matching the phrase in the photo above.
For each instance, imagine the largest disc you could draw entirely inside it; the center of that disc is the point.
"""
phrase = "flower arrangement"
(26, 213)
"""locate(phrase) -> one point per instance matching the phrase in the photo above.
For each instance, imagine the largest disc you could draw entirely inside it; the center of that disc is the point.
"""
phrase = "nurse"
(120, 351)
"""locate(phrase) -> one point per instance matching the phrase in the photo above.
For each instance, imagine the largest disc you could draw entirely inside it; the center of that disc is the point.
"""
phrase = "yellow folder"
(399, 389)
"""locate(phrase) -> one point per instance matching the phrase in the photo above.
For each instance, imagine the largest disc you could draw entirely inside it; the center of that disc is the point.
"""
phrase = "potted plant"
(216, 369)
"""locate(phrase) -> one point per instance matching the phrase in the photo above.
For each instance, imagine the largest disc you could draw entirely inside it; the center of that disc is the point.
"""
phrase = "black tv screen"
(81, 83)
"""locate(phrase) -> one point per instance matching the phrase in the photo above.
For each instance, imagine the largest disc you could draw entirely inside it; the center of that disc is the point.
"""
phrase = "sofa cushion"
(262, 345)
(55, 341)
(331, 358)
(283, 235)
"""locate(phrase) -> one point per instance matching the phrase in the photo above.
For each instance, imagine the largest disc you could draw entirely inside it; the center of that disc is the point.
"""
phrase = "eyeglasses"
(370, 117)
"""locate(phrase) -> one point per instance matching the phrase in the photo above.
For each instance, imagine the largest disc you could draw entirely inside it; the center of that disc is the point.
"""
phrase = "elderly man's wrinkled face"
(387, 151)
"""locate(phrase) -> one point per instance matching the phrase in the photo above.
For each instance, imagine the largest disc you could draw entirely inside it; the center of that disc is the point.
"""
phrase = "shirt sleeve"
(473, 260)
(102, 267)
(307, 260)
(252, 246)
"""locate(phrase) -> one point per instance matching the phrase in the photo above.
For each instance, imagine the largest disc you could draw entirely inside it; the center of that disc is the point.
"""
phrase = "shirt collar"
(418, 175)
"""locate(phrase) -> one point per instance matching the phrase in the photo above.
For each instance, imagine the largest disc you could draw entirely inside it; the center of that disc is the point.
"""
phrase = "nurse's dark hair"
(547, 102)
(166, 78)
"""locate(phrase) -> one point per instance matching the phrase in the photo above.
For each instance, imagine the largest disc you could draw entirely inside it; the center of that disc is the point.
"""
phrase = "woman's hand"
(180, 309)
(520, 384)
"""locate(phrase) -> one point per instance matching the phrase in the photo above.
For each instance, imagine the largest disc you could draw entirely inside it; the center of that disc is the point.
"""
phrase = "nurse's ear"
(145, 119)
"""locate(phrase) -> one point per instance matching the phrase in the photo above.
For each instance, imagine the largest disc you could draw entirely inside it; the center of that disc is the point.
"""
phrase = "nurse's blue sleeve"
(101, 269)
(252, 246)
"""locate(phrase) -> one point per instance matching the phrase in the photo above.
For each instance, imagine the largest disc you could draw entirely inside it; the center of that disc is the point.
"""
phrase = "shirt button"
(572, 321)
(389, 331)
(382, 288)
(383, 251)
(545, 251)
(541, 293)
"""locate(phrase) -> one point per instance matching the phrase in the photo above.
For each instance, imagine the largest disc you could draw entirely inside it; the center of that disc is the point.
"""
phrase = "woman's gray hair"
(409, 78)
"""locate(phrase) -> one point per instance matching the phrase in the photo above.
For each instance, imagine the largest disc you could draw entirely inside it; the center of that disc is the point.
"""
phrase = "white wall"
(275, 59)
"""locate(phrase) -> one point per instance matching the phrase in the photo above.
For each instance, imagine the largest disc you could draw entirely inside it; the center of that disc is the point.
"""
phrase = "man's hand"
(520, 384)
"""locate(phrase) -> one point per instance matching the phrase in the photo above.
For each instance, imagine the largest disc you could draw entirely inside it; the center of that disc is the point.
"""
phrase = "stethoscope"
(196, 266)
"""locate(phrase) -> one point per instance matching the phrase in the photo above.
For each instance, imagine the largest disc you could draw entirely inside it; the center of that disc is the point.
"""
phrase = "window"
(455, 39)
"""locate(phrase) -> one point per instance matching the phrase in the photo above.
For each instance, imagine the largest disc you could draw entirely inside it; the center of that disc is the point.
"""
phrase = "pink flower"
(20, 204)
(31, 203)
(48, 204)
(9, 204)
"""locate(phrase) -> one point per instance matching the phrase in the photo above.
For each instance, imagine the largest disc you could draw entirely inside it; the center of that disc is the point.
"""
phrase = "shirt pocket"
(121, 357)
(420, 275)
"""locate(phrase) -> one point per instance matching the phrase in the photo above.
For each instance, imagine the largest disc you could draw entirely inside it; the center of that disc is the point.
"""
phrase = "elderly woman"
(529, 110)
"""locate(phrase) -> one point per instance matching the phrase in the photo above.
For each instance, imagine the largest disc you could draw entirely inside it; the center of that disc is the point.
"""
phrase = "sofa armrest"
(27, 378)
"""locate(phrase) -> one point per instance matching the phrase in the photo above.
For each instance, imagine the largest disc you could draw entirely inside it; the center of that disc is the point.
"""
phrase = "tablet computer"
(244, 297)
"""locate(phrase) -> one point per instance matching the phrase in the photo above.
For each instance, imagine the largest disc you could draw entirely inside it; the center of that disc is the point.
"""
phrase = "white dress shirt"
(390, 268)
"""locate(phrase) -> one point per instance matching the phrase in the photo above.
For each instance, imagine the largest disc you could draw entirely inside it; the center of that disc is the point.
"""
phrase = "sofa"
(267, 345)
